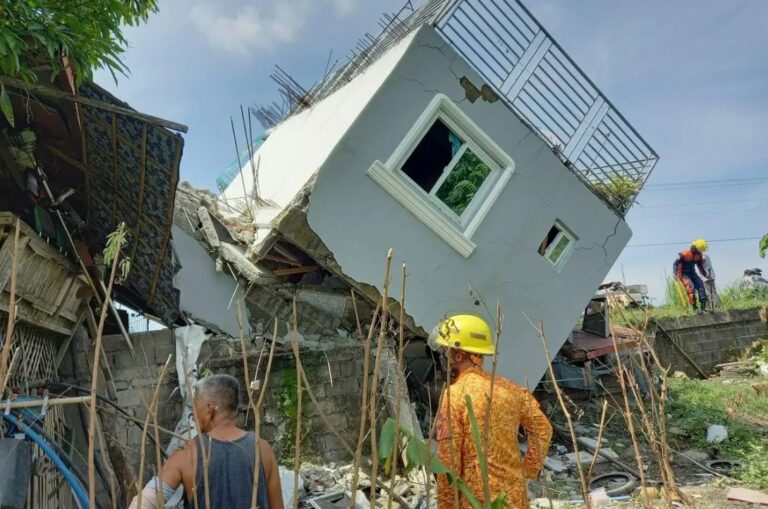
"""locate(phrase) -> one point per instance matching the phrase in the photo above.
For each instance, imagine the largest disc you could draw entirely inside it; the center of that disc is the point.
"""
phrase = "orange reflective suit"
(512, 407)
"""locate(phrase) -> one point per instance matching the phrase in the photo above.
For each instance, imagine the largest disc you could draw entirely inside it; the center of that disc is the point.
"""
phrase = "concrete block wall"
(334, 368)
(709, 339)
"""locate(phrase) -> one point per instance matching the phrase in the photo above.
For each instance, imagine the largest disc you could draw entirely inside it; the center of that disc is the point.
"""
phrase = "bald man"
(229, 451)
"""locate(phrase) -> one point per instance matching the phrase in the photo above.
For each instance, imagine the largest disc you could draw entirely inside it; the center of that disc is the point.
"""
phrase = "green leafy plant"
(463, 182)
(418, 454)
(50, 34)
(116, 241)
(763, 247)
(695, 404)
(619, 190)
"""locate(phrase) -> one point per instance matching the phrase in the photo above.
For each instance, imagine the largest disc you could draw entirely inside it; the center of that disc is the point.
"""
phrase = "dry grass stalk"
(94, 384)
(151, 411)
(5, 369)
(375, 380)
(358, 453)
(654, 417)
(299, 375)
(105, 460)
(14, 360)
(428, 465)
(449, 411)
(206, 451)
(487, 421)
(400, 365)
(256, 407)
(599, 445)
(561, 400)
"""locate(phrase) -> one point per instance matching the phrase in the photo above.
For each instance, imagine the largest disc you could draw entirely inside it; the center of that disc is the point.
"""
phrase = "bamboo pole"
(374, 382)
(299, 373)
(39, 403)
(399, 392)
(78, 99)
(95, 380)
(4, 368)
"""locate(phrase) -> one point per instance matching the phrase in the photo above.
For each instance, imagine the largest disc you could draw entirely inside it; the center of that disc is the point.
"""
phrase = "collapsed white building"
(464, 139)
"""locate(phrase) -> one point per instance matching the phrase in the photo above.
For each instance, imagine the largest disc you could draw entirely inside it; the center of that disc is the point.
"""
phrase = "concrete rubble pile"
(325, 486)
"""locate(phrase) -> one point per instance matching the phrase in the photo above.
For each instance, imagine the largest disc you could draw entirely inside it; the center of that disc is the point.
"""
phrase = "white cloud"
(343, 7)
(242, 29)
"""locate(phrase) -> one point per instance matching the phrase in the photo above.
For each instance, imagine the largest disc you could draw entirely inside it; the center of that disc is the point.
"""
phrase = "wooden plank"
(64, 347)
(285, 253)
(46, 91)
(280, 259)
(296, 270)
(747, 495)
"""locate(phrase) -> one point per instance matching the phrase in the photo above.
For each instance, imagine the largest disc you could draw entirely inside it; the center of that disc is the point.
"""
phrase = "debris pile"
(327, 486)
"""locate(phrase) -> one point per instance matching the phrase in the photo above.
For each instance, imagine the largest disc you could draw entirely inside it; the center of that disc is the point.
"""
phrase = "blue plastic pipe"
(77, 488)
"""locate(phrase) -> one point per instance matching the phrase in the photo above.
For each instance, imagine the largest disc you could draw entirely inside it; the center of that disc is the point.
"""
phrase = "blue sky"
(690, 75)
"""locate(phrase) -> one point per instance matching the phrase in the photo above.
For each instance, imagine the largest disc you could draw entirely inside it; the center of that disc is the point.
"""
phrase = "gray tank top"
(230, 474)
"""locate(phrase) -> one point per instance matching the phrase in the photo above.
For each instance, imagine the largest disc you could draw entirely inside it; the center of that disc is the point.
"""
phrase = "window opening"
(555, 244)
(444, 166)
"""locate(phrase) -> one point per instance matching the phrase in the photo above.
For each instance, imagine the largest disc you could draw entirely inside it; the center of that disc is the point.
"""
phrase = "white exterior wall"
(359, 221)
(299, 146)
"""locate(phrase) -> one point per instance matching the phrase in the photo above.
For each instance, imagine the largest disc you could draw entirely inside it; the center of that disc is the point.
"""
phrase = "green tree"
(764, 245)
(463, 182)
(50, 35)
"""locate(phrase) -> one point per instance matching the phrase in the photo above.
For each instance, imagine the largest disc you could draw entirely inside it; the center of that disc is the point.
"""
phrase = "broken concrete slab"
(555, 465)
(747, 495)
(209, 231)
(242, 265)
(585, 458)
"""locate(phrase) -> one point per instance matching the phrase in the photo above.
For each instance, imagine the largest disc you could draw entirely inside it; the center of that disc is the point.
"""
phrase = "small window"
(444, 166)
(556, 246)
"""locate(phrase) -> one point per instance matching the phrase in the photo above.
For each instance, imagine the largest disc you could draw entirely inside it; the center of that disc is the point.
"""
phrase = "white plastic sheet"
(189, 341)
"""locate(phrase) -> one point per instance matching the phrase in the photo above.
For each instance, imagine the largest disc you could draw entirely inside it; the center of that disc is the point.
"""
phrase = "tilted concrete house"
(467, 141)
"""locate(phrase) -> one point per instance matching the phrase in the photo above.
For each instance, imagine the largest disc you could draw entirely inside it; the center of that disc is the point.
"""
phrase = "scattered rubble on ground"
(329, 485)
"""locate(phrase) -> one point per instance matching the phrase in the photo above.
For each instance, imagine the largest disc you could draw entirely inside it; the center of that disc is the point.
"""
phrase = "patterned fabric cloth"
(512, 407)
(131, 170)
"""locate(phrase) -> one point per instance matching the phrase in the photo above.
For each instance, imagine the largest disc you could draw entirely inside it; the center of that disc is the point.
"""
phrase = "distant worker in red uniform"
(684, 270)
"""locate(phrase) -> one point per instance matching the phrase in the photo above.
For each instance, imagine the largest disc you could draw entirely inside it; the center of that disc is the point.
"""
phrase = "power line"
(702, 213)
(688, 242)
(639, 206)
(686, 183)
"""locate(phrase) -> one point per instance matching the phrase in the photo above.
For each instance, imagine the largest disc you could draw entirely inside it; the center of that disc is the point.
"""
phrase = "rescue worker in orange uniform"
(684, 270)
(466, 339)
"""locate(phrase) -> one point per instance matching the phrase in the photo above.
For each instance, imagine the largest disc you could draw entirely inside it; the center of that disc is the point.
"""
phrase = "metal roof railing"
(532, 74)
(510, 49)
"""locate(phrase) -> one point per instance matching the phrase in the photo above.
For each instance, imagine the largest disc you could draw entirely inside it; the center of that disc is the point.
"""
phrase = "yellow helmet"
(700, 244)
(469, 333)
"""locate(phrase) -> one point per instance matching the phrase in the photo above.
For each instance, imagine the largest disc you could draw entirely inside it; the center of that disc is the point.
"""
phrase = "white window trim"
(564, 232)
(388, 175)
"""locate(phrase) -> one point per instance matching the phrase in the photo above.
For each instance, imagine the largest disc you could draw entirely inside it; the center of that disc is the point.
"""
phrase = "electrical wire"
(700, 213)
(640, 206)
(688, 242)
(715, 182)
(57, 386)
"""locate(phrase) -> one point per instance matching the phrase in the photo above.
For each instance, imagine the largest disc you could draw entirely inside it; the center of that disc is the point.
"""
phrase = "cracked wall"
(359, 221)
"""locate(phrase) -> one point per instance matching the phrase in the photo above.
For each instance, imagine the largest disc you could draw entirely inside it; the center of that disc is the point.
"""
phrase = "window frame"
(457, 230)
(564, 232)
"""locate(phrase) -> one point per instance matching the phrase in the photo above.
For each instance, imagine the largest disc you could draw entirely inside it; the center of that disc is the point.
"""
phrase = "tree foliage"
(764, 245)
(35, 34)
(463, 182)
(85, 35)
